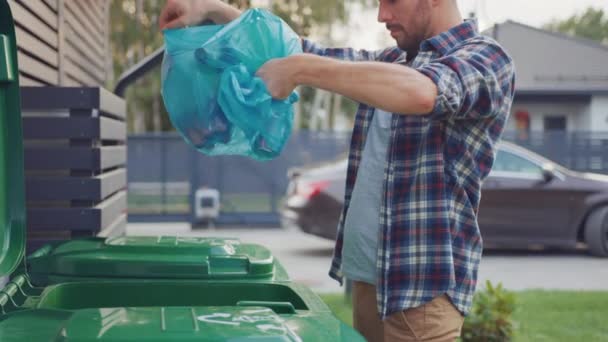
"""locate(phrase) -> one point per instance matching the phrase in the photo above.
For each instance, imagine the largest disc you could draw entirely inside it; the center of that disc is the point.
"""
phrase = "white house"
(561, 81)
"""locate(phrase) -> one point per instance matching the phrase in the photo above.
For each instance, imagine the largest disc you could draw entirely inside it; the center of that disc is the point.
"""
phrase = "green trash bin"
(130, 294)
(153, 258)
(116, 258)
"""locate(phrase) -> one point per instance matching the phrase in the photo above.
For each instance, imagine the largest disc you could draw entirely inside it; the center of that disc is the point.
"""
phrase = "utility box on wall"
(207, 205)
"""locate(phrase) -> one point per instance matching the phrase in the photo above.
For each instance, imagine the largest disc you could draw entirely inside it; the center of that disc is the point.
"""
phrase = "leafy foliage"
(591, 24)
(490, 319)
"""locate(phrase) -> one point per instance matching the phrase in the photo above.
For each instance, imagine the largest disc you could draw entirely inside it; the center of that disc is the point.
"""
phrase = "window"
(207, 202)
(512, 163)
(555, 123)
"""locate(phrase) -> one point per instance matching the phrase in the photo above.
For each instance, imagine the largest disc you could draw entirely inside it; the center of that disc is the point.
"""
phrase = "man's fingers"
(171, 17)
(176, 23)
(166, 16)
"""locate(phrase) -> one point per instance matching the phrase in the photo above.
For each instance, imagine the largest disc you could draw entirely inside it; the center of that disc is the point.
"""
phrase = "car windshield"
(528, 155)
(513, 163)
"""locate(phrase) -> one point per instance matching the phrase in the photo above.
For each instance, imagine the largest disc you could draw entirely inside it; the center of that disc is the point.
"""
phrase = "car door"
(519, 205)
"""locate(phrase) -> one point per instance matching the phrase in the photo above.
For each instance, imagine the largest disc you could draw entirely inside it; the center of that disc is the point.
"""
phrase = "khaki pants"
(436, 321)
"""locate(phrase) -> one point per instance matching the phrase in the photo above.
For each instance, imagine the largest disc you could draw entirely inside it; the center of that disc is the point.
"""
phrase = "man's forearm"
(391, 87)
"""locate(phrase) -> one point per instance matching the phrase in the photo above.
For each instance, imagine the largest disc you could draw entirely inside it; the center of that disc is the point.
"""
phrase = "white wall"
(583, 121)
(576, 114)
(599, 113)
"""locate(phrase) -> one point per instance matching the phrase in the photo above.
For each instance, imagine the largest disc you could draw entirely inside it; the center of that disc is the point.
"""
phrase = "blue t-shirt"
(362, 220)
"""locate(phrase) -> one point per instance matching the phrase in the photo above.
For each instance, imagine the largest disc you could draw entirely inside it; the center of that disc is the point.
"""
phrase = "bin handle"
(278, 307)
(42, 251)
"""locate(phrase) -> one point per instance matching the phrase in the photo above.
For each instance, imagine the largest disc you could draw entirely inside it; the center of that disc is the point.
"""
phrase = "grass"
(235, 202)
(540, 315)
(153, 204)
(561, 316)
(339, 306)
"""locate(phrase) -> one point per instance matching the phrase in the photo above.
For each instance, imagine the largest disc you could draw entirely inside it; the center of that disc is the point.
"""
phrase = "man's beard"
(410, 41)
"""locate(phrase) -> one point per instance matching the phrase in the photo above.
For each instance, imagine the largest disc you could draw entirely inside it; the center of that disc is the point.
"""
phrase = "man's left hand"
(279, 76)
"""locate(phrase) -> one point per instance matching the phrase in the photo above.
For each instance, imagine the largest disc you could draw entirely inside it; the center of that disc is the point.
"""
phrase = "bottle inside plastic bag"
(210, 90)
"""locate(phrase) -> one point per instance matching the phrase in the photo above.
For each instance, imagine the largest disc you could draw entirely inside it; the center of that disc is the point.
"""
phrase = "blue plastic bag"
(210, 90)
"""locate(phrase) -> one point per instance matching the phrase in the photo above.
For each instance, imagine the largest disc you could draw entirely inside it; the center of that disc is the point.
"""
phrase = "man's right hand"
(181, 13)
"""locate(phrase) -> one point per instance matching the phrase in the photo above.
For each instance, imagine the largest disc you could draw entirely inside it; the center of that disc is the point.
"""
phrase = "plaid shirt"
(429, 242)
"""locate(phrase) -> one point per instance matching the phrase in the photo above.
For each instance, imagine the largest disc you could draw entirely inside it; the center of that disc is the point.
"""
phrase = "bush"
(490, 318)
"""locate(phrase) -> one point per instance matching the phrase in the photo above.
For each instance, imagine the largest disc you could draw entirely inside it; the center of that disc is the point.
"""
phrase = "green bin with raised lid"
(137, 288)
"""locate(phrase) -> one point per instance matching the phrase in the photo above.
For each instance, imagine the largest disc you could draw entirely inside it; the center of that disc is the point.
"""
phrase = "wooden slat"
(107, 33)
(76, 50)
(26, 81)
(112, 208)
(61, 45)
(86, 218)
(74, 158)
(35, 68)
(112, 129)
(81, 52)
(52, 4)
(70, 82)
(82, 61)
(36, 99)
(94, 188)
(92, 16)
(28, 21)
(30, 43)
(72, 70)
(90, 38)
(99, 9)
(112, 105)
(111, 182)
(98, 128)
(38, 8)
(43, 127)
(116, 228)
(81, 10)
(112, 156)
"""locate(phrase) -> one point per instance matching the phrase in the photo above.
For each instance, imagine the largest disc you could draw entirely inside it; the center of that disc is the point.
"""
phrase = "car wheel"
(596, 232)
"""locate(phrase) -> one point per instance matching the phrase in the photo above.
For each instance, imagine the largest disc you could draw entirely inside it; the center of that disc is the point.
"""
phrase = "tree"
(134, 35)
(302, 15)
(591, 24)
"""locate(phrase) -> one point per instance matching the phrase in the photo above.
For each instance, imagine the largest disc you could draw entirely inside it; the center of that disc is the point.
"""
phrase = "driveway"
(307, 259)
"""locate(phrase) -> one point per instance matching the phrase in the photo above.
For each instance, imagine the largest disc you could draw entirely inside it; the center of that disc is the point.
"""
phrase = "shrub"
(490, 318)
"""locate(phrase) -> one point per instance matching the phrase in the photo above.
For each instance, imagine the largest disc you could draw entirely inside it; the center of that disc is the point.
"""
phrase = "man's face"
(407, 20)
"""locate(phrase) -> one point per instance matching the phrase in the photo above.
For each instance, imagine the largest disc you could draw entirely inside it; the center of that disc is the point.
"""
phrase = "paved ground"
(307, 259)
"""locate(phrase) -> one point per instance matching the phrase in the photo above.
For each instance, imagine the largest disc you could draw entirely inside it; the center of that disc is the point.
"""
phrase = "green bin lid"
(169, 257)
(12, 188)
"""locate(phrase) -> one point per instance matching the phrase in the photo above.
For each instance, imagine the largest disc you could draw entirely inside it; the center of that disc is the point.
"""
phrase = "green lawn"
(561, 316)
(540, 315)
(175, 204)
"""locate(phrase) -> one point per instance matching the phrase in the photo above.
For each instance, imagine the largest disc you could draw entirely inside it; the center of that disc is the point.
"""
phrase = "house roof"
(552, 62)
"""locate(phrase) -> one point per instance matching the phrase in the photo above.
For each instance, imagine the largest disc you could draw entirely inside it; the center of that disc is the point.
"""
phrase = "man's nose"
(384, 15)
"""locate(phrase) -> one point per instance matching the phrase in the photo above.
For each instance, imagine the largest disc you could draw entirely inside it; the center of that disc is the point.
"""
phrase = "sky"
(366, 32)
(531, 12)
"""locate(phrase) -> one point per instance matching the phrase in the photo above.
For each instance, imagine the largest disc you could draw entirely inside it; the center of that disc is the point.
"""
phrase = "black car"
(526, 200)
